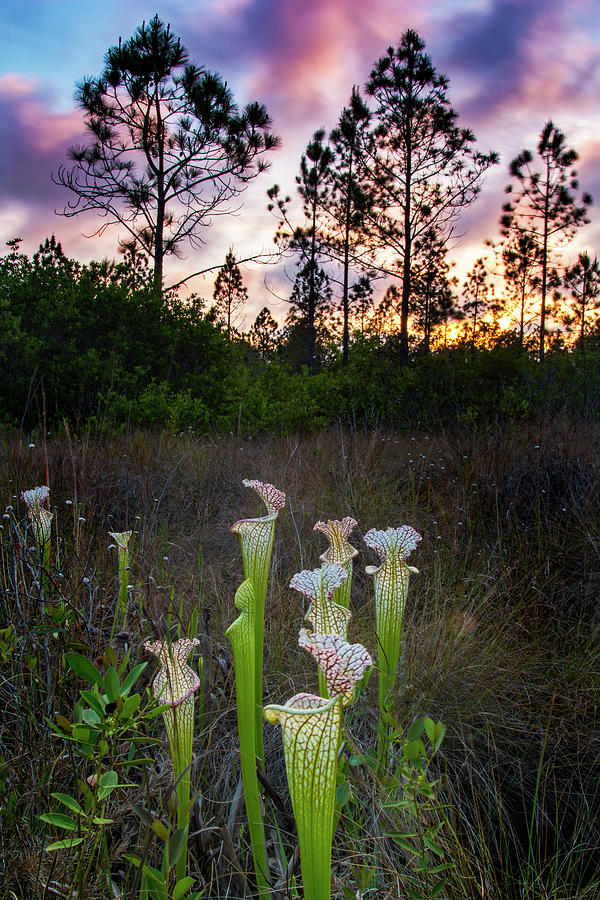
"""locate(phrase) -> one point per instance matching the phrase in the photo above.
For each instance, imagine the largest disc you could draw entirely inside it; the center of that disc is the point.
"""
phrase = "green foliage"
(84, 343)
(104, 717)
(414, 804)
(94, 344)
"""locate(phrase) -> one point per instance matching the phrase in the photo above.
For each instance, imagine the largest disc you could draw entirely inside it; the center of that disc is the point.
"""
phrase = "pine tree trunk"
(312, 300)
(406, 269)
(544, 270)
(345, 303)
(159, 250)
(522, 322)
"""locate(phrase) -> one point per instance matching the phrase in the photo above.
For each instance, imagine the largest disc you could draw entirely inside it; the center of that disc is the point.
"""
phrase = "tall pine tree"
(229, 294)
(425, 167)
(545, 205)
(306, 240)
(168, 146)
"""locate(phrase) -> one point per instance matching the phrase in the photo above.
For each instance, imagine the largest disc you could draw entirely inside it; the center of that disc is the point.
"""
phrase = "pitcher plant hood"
(318, 586)
(342, 664)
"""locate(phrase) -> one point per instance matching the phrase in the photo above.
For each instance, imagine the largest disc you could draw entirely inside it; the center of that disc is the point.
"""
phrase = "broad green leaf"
(142, 813)
(59, 820)
(182, 887)
(111, 684)
(161, 830)
(402, 841)
(95, 700)
(177, 844)
(130, 706)
(68, 801)
(98, 820)
(85, 669)
(413, 749)
(109, 657)
(81, 734)
(109, 779)
(433, 846)
(342, 795)
(108, 782)
(153, 875)
(440, 731)
(429, 729)
(91, 717)
(131, 678)
(62, 722)
(65, 844)
(124, 663)
(416, 730)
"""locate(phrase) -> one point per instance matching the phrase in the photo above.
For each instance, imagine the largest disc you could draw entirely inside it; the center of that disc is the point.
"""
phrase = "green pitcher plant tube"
(340, 551)
(242, 635)
(311, 729)
(391, 578)
(174, 686)
(121, 539)
(256, 541)
(324, 614)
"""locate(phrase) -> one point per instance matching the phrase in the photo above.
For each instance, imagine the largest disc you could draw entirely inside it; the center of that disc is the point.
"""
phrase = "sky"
(512, 65)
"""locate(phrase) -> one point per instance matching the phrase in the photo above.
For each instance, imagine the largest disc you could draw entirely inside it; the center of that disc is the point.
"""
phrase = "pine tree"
(306, 240)
(425, 168)
(360, 300)
(582, 280)
(229, 295)
(545, 206)
(432, 294)
(169, 148)
(350, 198)
(263, 333)
(477, 297)
(522, 260)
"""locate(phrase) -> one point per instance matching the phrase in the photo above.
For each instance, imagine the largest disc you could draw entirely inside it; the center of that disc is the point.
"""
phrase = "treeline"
(377, 203)
(379, 332)
(95, 344)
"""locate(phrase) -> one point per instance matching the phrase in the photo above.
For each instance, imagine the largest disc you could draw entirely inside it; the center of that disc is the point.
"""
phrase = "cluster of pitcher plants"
(110, 713)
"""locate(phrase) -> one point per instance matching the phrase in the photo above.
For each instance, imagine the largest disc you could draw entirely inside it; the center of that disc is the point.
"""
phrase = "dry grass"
(501, 634)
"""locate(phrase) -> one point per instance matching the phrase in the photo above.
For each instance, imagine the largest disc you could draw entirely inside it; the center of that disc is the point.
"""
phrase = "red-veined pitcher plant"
(312, 728)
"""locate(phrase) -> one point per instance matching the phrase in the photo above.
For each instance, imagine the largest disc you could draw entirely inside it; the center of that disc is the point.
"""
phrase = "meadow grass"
(501, 644)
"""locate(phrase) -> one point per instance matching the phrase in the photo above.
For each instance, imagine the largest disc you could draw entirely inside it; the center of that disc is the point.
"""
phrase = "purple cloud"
(521, 58)
(33, 143)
